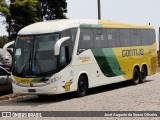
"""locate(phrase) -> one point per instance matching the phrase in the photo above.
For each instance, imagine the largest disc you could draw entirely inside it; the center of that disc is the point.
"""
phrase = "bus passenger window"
(99, 38)
(99, 35)
(136, 37)
(86, 37)
(125, 38)
(86, 41)
(152, 36)
(113, 37)
(145, 37)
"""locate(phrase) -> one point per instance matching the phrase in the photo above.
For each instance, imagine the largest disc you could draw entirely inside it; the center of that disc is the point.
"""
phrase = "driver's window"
(63, 56)
(18, 56)
(18, 52)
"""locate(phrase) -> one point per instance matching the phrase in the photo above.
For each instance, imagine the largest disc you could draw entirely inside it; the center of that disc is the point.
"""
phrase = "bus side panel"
(129, 57)
(106, 68)
(153, 59)
(110, 65)
(80, 65)
(86, 62)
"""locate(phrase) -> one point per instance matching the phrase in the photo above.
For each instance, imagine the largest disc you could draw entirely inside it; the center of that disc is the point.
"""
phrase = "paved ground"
(116, 97)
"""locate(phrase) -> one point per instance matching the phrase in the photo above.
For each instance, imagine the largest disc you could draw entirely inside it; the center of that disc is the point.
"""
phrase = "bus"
(61, 56)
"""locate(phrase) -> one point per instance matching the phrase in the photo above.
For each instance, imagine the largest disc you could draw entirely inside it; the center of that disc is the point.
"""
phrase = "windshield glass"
(34, 55)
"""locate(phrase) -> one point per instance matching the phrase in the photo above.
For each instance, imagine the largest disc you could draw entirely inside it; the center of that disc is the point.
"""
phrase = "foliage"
(4, 8)
(3, 41)
(53, 9)
(19, 14)
(23, 13)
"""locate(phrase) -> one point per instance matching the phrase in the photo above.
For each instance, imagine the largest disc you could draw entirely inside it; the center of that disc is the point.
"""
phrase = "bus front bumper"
(47, 89)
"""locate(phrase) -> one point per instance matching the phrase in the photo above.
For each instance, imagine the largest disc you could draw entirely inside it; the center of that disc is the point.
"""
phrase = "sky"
(128, 11)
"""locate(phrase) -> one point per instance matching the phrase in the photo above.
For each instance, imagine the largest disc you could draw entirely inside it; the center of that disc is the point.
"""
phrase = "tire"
(82, 87)
(136, 76)
(143, 75)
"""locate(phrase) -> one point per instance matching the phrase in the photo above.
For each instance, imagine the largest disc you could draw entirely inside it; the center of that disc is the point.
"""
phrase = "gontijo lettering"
(132, 52)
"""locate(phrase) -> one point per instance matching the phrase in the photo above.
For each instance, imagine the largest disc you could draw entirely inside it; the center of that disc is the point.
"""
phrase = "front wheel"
(82, 86)
(136, 76)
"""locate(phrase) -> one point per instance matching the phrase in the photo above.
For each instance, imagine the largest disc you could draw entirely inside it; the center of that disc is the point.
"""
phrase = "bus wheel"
(136, 76)
(82, 86)
(143, 75)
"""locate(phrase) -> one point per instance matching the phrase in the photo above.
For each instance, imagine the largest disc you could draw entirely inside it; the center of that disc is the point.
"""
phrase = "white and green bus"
(60, 56)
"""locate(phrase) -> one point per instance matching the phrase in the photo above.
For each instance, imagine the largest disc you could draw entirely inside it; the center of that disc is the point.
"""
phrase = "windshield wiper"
(25, 68)
(36, 62)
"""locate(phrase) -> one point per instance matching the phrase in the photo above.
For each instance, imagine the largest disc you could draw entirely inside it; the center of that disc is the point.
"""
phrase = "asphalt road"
(115, 97)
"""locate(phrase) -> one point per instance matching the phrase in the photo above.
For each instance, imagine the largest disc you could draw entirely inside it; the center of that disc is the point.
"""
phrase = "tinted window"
(125, 37)
(86, 40)
(152, 36)
(72, 34)
(63, 56)
(145, 37)
(113, 37)
(99, 38)
(135, 37)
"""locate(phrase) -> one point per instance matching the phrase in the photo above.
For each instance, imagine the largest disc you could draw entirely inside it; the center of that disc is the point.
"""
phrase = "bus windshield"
(34, 55)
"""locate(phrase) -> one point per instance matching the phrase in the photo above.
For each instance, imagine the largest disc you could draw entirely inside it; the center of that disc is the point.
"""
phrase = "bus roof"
(59, 25)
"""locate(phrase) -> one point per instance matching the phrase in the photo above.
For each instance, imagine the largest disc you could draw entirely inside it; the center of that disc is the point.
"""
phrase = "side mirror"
(6, 46)
(58, 45)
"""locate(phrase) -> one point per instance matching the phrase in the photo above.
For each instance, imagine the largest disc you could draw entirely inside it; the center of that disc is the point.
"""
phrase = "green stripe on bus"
(107, 62)
(38, 80)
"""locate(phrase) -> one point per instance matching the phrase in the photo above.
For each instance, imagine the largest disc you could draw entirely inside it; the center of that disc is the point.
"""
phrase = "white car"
(5, 59)
(5, 79)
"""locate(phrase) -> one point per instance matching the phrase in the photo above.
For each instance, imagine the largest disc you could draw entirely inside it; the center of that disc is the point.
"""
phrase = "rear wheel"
(82, 86)
(136, 76)
(143, 75)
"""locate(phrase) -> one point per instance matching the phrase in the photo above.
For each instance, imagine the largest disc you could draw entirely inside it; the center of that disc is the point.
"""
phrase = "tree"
(5, 11)
(53, 9)
(3, 41)
(23, 13)
(19, 14)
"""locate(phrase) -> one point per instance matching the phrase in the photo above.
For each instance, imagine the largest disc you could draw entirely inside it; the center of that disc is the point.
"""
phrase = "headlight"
(52, 80)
